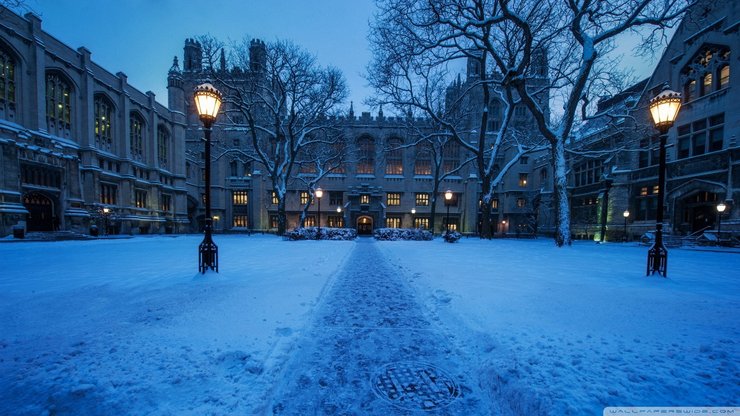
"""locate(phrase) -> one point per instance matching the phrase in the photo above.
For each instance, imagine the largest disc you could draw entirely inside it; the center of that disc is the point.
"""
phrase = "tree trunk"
(282, 219)
(562, 206)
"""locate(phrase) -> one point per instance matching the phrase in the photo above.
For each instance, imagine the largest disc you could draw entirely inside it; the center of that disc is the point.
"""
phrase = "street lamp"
(625, 214)
(339, 211)
(721, 207)
(448, 198)
(319, 193)
(207, 101)
(413, 217)
(106, 215)
(664, 110)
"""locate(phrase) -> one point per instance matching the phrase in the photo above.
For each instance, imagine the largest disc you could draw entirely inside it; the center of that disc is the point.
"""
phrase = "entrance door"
(365, 225)
(40, 212)
(703, 216)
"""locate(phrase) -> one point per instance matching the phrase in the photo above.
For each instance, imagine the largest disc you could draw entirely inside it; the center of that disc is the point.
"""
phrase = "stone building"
(703, 157)
(76, 138)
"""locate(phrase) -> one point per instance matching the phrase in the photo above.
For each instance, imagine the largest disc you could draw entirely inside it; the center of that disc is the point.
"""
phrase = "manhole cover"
(415, 386)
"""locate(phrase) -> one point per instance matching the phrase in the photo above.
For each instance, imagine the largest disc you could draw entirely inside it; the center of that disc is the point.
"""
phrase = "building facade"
(79, 146)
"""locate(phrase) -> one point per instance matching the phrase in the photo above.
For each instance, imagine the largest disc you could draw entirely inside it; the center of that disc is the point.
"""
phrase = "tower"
(175, 92)
(193, 56)
(257, 55)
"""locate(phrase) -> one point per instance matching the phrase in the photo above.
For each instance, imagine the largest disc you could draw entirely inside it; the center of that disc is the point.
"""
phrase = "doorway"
(365, 225)
(40, 212)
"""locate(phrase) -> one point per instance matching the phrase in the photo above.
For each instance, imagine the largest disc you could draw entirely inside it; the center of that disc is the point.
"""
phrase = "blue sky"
(140, 37)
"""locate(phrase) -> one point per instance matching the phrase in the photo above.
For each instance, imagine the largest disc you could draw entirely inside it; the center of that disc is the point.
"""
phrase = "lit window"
(335, 221)
(494, 203)
(422, 223)
(103, 123)
(274, 198)
(140, 197)
(394, 157)
(393, 222)
(239, 197)
(240, 221)
(450, 156)
(310, 221)
(166, 203)
(423, 160)
(274, 221)
(521, 202)
(366, 156)
(364, 199)
(522, 179)
(724, 76)
(706, 85)
(643, 191)
(58, 103)
(304, 197)
(422, 199)
(394, 198)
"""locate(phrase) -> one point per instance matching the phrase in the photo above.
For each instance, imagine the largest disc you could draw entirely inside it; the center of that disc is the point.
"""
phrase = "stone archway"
(365, 225)
(40, 215)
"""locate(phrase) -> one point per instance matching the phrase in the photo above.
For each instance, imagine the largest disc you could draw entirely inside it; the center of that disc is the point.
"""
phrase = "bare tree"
(415, 47)
(316, 162)
(289, 104)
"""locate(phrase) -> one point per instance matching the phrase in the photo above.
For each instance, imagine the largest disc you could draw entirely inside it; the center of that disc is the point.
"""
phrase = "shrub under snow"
(394, 234)
(312, 233)
(452, 237)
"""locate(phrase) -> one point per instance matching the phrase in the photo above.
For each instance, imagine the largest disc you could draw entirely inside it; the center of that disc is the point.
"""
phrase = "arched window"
(423, 159)
(706, 84)
(688, 90)
(136, 124)
(394, 157)
(103, 123)
(366, 156)
(724, 76)
(450, 156)
(58, 104)
(7, 86)
(163, 146)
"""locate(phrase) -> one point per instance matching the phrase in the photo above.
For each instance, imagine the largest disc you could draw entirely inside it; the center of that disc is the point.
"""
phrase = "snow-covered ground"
(569, 331)
(130, 327)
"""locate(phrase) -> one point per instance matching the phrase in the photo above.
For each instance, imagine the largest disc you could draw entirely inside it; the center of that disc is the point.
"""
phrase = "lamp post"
(721, 207)
(319, 193)
(605, 207)
(413, 217)
(448, 198)
(106, 215)
(339, 211)
(207, 101)
(625, 214)
(663, 109)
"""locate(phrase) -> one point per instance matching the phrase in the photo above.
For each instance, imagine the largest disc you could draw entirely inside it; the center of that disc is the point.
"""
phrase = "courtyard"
(128, 326)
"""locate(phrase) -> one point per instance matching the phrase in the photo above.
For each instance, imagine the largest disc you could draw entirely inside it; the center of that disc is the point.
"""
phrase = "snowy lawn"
(130, 327)
(568, 331)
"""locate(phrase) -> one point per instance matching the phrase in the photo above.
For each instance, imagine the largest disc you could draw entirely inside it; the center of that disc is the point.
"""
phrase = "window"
(701, 136)
(274, 198)
(274, 221)
(58, 104)
(336, 198)
(523, 160)
(494, 203)
(588, 172)
(7, 85)
(394, 157)
(724, 76)
(393, 222)
(394, 199)
(107, 194)
(234, 168)
(140, 198)
(166, 203)
(520, 111)
(304, 198)
(308, 168)
(246, 169)
(364, 199)
(240, 221)
(366, 156)
(423, 160)
(310, 221)
(41, 176)
(522, 180)
(450, 156)
(646, 203)
(452, 226)
(710, 62)
(239, 197)
(103, 123)
(422, 223)
(163, 146)
(543, 176)
(521, 202)
(335, 221)
(422, 199)
(136, 125)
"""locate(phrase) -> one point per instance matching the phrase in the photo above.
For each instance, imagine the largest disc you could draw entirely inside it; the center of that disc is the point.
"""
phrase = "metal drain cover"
(415, 386)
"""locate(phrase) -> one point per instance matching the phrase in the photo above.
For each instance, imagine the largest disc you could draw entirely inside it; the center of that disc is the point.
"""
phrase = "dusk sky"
(140, 37)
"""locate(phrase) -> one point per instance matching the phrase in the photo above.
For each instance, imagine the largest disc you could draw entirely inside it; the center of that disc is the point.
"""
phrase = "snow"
(128, 326)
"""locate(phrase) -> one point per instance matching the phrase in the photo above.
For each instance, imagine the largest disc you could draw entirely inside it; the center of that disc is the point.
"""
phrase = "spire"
(175, 68)
(223, 61)
(351, 110)
(380, 112)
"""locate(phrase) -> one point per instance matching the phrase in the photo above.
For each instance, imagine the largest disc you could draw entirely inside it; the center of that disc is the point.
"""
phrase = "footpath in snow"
(372, 351)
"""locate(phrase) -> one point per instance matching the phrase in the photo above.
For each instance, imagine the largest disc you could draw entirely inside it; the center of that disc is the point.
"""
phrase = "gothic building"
(703, 157)
(76, 138)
